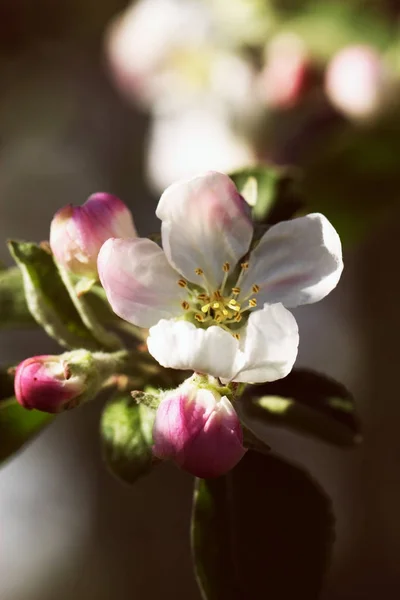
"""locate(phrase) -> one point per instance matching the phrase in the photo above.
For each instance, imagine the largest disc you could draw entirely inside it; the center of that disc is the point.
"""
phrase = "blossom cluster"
(213, 300)
(188, 63)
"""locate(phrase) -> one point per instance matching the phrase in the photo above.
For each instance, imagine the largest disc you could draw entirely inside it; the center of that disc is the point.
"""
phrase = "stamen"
(236, 291)
(238, 318)
(205, 308)
(226, 267)
(199, 317)
(199, 271)
(245, 266)
(185, 305)
(233, 305)
(215, 305)
(237, 336)
(252, 302)
(182, 283)
(204, 297)
(225, 312)
(255, 289)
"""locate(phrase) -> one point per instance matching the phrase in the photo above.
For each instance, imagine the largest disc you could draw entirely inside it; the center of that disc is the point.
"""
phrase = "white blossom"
(213, 304)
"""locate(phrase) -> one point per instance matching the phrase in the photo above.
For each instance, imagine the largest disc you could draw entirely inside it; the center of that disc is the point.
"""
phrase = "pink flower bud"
(285, 77)
(356, 81)
(45, 383)
(78, 232)
(198, 429)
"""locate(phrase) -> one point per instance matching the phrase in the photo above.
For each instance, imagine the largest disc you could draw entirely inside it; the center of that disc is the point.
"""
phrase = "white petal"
(141, 286)
(205, 223)
(182, 345)
(296, 262)
(268, 345)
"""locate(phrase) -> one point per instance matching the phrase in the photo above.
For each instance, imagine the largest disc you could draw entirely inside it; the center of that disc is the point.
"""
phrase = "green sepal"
(265, 530)
(272, 192)
(47, 298)
(126, 434)
(306, 402)
(14, 311)
(18, 426)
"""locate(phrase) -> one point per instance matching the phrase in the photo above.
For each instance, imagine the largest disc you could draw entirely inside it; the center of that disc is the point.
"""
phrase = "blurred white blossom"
(357, 82)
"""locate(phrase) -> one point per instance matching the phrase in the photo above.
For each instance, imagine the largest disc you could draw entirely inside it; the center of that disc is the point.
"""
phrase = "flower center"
(219, 307)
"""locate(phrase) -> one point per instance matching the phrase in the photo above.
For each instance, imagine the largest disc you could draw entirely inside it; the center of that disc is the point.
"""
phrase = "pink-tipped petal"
(140, 284)
(296, 262)
(205, 224)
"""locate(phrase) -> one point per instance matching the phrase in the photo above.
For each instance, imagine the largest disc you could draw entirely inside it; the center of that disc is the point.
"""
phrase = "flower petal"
(268, 347)
(205, 223)
(141, 286)
(182, 345)
(296, 262)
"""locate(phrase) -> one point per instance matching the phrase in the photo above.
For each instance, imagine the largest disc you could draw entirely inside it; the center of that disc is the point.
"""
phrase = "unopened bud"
(356, 81)
(285, 76)
(78, 232)
(198, 428)
(56, 383)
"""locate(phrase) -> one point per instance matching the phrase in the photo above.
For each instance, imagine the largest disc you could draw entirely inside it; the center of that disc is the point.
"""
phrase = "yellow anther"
(255, 289)
(205, 308)
(182, 283)
(225, 312)
(245, 266)
(203, 297)
(236, 291)
(215, 305)
(252, 302)
(226, 267)
(199, 317)
(237, 336)
(238, 318)
(185, 305)
(218, 318)
(234, 305)
(199, 271)
(218, 295)
(233, 302)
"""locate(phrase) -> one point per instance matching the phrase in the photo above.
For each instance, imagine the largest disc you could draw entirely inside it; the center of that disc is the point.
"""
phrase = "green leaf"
(126, 432)
(271, 191)
(47, 298)
(14, 311)
(18, 426)
(306, 402)
(265, 530)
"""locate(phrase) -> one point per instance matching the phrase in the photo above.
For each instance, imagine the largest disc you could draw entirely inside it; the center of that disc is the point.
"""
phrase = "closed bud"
(286, 75)
(56, 383)
(197, 427)
(78, 232)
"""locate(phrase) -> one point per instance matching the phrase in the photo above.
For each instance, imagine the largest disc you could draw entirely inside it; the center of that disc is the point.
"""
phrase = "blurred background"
(110, 96)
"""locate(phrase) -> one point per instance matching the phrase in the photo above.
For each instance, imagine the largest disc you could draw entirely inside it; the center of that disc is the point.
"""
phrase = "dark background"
(67, 528)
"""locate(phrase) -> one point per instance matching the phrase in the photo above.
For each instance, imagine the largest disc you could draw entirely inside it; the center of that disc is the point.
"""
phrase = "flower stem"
(108, 340)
